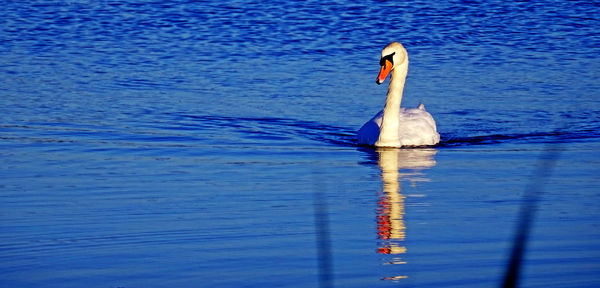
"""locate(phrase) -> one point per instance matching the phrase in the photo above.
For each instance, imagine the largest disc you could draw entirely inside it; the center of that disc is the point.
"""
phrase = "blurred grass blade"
(323, 237)
(531, 198)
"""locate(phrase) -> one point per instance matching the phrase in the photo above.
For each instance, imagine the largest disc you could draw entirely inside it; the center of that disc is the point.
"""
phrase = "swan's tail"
(421, 106)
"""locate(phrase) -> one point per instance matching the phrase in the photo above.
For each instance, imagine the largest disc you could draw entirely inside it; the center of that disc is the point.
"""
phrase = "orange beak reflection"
(385, 70)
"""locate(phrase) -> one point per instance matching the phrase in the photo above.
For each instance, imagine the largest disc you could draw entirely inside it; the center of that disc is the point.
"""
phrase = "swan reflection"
(398, 165)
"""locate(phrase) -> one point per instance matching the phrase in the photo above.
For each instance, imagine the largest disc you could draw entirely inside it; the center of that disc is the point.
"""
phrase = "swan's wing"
(417, 127)
(368, 134)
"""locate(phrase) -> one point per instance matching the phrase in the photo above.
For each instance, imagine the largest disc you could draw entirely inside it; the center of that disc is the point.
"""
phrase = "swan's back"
(416, 127)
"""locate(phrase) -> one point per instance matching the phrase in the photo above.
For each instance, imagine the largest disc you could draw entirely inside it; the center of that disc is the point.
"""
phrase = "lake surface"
(211, 144)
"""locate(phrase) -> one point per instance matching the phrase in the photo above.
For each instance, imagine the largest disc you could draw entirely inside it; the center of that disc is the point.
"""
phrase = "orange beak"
(385, 70)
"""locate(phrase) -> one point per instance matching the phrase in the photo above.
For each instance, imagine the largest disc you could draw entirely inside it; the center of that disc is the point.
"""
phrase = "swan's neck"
(389, 134)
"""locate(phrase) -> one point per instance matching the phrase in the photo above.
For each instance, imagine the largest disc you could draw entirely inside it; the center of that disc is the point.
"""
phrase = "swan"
(395, 126)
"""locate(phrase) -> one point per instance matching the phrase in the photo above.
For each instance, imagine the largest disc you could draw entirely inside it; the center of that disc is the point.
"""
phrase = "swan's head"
(392, 56)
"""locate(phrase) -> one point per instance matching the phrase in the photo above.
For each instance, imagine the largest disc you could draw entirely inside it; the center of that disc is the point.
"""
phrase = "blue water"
(191, 144)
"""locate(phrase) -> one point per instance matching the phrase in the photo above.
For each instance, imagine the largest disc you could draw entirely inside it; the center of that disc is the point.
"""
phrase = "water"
(149, 144)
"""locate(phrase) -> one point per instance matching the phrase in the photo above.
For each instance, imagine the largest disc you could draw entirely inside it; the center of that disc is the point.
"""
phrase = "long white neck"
(389, 135)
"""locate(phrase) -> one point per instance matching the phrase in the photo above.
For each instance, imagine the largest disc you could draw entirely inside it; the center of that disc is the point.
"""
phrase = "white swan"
(395, 126)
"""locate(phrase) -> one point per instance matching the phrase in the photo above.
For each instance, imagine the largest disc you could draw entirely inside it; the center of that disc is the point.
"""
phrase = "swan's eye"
(382, 61)
(390, 58)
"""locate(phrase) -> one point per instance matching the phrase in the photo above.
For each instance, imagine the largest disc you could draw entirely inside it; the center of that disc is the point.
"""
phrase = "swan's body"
(395, 126)
(416, 127)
